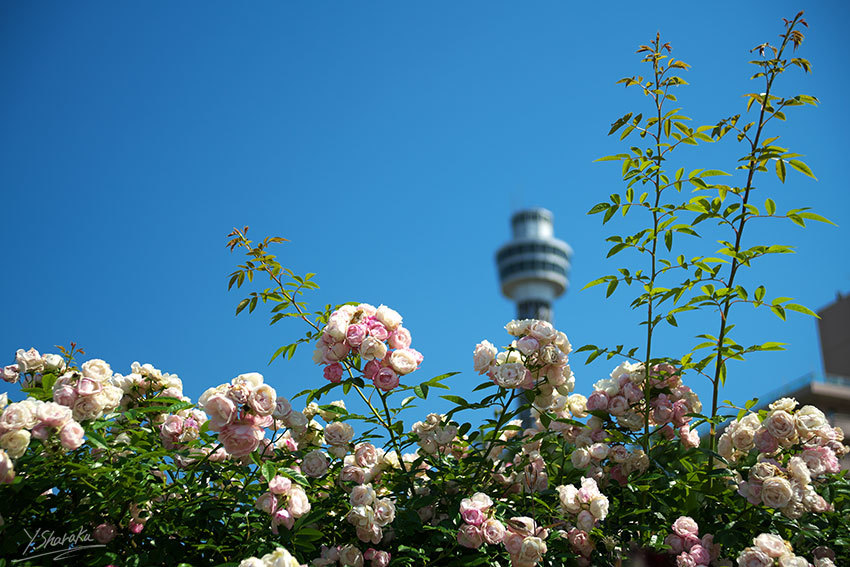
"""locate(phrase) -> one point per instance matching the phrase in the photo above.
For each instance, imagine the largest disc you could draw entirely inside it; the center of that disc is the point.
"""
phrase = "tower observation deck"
(534, 266)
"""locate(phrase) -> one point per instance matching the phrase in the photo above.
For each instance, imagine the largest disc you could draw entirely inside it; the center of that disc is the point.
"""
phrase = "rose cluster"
(586, 506)
(367, 463)
(240, 412)
(479, 526)
(21, 421)
(794, 449)
(369, 514)
(538, 357)
(89, 392)
(691, 550)
(284, 502)
(770, 550)
(143, 381)
(434, 434)
(376, 335)
(280, 557)
(622, 396)
(180, 428)
(32, 364)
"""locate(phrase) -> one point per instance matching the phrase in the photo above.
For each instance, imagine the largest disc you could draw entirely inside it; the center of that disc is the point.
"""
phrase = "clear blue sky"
(390, 142)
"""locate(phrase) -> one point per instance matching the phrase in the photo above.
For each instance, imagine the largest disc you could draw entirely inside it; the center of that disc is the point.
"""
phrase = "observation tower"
(534, 266)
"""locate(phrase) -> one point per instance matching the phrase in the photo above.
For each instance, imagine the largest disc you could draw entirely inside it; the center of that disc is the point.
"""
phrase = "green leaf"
(802, 168)
(780, 170)
(268, 470)
(242, 305)
(770, 206)
(800, 309)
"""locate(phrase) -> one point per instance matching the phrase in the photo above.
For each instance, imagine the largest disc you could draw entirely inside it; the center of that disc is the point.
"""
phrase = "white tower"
(534, 266)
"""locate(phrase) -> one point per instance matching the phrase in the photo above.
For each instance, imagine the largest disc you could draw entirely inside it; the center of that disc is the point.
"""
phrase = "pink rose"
(680, 411)
(685, 560)
(470, 536)
(282, 516)
(65, 395)
(266, 502)
(764, 441)
(136, 527)
(380, 559)
(371, 369)
(400, 338)
(222, 411)
(377, 330)
(386, 379)
(675, 543)
(493, 531)
(71, 435)
(685, 525)
(280, 485)
(355, 334)
(699, 555)
(333, 372)
(618, 405)
(104, 533)
(598, 401)
(365, 455)
(240, 440)
(472, 516)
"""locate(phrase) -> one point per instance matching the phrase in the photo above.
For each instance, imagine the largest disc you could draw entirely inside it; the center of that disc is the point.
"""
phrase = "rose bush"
(246, 477)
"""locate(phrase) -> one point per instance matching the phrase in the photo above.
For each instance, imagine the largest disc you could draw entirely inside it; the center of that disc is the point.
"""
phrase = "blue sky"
(390, 142)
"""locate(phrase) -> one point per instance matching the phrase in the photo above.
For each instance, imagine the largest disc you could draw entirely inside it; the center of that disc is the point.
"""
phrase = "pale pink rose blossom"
(685, 525)
(280, 485)
(493, 531)
(71, 435)
(400, 338)
(470, 536)
(240, 440)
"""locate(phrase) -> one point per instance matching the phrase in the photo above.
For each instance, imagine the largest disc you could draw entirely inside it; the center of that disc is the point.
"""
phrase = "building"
(534, 266)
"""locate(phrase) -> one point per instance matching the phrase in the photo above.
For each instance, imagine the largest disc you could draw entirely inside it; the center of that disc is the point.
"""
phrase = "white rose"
(372, 348)
(517, 328)
(532, 551)
(403, 361)
(784, 404)
(563, 343)
(780, 424)
(15, 442)
(754, 557)
(110, 396)
(774, 546)
(263, 400)
(389, 317)
(4, 400)
(279, 558)
(351, 556)
(54, 363)
(543, 331)
(510, 375)
(29, 361)
(338, 433)
(87, 408)
(776, 492)
(252, 380)
(97, 369)
(793, 561)
(384, 512)
(599, 507)
(809, 420)
(18, 416)
(483, 356)
(798, 470)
